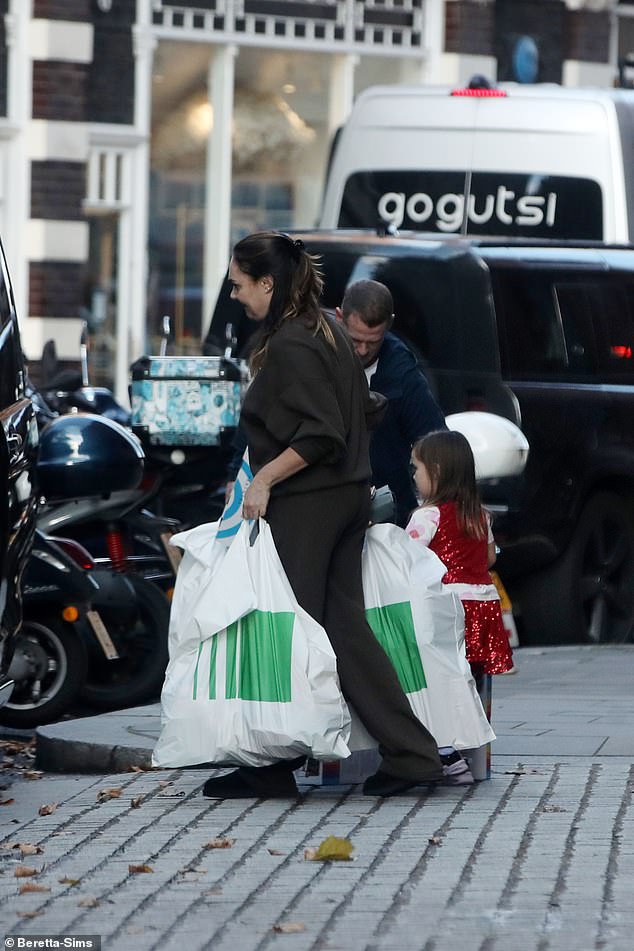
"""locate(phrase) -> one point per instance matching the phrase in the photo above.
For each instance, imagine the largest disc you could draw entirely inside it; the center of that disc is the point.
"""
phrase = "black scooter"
(88, 634)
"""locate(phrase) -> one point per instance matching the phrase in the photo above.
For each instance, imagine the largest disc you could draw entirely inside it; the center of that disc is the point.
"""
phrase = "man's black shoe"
(382, 784)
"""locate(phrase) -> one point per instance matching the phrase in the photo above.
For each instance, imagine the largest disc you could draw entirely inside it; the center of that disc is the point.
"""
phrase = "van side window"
(615, 330)
(532, 336)
(575, 309)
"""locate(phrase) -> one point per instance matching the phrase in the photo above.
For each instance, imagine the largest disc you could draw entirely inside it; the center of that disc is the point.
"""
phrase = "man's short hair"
(371, 300)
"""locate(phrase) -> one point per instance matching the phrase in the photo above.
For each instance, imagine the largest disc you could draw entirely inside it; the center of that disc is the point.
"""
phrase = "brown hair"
(448, 458)
(371, 300)
(297, 284)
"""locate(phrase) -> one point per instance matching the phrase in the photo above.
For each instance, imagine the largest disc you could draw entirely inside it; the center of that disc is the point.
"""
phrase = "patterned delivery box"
(186, 401)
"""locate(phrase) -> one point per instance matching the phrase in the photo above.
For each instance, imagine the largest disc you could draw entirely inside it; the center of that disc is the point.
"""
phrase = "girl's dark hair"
(448, 458)
(297, 284)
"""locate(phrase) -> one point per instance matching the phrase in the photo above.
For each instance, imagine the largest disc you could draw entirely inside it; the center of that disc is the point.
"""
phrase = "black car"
(543, 334)
(18, 446)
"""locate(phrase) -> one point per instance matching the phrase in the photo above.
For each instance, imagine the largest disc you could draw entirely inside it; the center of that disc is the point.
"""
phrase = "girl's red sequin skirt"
(486, 638)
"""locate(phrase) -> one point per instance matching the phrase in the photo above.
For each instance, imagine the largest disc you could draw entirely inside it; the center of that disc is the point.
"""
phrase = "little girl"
(453, 523)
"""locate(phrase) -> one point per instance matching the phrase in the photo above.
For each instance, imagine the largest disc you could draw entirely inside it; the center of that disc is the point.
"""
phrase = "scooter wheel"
(136, 676)
(50, 660)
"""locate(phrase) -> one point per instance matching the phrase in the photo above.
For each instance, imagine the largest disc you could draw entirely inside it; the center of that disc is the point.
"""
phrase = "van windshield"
(475, 203)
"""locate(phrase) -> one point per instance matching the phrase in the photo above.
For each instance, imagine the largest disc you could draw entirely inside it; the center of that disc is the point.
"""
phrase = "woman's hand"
(256, 499)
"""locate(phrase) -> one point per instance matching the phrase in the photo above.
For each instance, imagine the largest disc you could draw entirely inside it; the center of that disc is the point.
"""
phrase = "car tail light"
(77, 552)
(621, 352)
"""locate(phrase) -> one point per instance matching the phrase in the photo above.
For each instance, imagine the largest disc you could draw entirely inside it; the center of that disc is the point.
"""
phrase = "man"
(367, 312)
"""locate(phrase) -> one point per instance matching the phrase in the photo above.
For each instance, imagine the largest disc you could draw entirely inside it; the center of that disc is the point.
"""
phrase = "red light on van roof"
(621, 352)
(480, 93)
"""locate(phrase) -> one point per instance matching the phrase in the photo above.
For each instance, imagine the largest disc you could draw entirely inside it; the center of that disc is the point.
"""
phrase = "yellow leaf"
(139, 869)
(24, 871)
(334, 849)
(32, 774)
(219, 843)
(289, 927)
(32, 887)
(47, 810)
(69, 881)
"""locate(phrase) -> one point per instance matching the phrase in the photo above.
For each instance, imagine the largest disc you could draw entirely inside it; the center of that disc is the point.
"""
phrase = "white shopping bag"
(252, 678)
(420, 623)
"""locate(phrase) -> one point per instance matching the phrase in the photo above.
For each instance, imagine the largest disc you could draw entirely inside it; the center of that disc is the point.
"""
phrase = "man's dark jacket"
(411, 413)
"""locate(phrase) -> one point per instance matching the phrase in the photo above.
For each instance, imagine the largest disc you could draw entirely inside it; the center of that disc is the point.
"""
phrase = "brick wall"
(55, 288)
(75, 10)
(110, 92)
(4, 7)
(587, 36)
(59, 90)
(58, 190)
(469, 27)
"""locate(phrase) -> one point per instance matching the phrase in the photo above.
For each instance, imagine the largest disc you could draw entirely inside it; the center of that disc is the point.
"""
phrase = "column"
(220, 81)
(433, 41)
(133, 258)
(341, 95)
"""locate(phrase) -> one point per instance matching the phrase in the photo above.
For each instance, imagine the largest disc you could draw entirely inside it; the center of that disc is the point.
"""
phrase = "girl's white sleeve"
(423, 523)
(490, 537)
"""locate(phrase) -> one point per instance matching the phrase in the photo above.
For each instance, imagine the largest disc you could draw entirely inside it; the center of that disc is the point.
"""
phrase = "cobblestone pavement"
(539, 858)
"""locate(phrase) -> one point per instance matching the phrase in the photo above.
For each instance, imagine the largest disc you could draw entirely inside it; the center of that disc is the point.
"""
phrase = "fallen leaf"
(28, 914)
(136, 802)
(277, 852)
(289, 927)
(221, 842)
(515, 772)
(165, 782)
(25, 871)
(105, 794)
(435, 840)
(554, 809)
(138, 869)
(6, 802)
(137, 769)
(69, 881)
(32, 887)
(32, 774)
(310, 854)
(88, 903)
(27, 849)
(332, 849)
(213, 891)
(47, 810)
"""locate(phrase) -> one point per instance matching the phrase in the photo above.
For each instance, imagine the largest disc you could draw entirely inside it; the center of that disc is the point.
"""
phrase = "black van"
(543, 334)
(18, 446)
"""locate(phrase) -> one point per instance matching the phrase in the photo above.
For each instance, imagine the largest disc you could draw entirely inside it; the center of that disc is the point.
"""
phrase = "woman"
(305, 419)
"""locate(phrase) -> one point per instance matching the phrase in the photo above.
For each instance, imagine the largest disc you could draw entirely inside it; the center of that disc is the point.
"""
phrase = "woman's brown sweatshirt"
(315, 399)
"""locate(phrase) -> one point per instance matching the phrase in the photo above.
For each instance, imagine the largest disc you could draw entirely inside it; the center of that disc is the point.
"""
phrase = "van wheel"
(587, 596)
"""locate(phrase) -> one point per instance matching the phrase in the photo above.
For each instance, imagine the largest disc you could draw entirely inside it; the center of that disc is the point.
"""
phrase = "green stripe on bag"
(231, 672)
(393, 628)
(266, 644)
(213, 650)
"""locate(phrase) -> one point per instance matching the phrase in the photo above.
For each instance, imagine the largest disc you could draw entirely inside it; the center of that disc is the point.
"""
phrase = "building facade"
(139, 138)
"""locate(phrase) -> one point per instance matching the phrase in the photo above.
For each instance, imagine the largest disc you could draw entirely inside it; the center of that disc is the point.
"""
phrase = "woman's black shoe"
(382, 784)
(250, 782)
